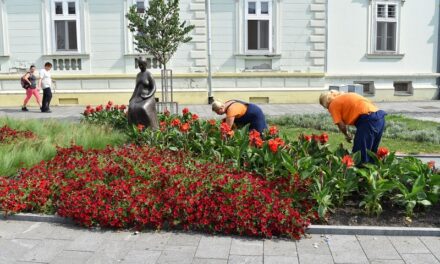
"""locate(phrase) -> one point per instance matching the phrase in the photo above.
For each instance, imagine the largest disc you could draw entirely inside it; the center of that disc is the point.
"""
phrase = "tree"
(158, 31)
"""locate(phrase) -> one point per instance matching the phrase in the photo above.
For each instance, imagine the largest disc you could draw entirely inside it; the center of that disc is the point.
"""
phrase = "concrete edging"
(373, 230)
(313, 229)
(37, 218)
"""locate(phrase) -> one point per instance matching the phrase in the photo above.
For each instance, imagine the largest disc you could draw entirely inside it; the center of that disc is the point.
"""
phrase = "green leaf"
(425, 203)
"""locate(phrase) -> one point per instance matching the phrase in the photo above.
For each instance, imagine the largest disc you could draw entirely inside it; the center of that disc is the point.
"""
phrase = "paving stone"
(177, 254)
(235, 259)
(182, 239)
(246, 247)
(388, 261)
(209, 261)
(280, 260)
(433, 244)
(279, 248)
(409, 245)
(419, 259)
(46, 251)
(87, 241)
(152, 241)
(121, 236)
(378, 248)
(111, 251)
(314, 259)
(9, 229)
(346, 249)
(42, 230)
(214, 248)
(141, 256)
(11, 250)
(72, 257)
(315, 245)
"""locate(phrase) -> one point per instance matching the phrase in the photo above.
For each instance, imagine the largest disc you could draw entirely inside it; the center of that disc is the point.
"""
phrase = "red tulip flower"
(348, 161)
(273, 130)
(323, 138)
(140, 127)
(184, 128)
(382, 152)
(175, 122)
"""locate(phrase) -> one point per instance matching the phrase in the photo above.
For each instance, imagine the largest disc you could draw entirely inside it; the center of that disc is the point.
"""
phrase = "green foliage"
(50, 134)
(159, 31)
(405, 182)
(397, 126)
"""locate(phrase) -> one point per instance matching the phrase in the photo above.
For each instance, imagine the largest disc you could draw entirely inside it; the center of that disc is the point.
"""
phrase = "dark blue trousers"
(369, 130)
(255, 117)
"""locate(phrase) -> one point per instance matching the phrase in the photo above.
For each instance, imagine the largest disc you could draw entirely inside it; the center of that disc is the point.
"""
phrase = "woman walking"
(31, 89)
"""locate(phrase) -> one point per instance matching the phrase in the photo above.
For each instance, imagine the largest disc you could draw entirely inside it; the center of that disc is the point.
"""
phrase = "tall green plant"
(159, 31)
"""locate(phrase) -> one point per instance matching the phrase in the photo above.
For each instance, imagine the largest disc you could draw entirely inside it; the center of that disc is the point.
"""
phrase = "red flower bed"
(8, 134)
(141, 187)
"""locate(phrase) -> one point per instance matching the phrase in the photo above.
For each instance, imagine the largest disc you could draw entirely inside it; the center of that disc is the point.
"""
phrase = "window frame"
(4, 45)
(372, 88)
(65, 17)
(146, 3)
(409, 91)
(258, 16)
(374, 26)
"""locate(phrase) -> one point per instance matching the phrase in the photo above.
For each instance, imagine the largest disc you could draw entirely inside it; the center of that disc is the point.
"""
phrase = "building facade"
(388, 46)
(264, 51)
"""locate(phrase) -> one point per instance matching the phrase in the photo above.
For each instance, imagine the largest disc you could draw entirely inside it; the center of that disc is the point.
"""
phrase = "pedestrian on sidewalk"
(45, 83)
(241, 113)
(31, 89)
(351, 109)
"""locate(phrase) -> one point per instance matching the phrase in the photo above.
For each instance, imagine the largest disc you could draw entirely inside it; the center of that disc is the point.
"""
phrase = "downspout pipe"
(208, 22)
(438, 53)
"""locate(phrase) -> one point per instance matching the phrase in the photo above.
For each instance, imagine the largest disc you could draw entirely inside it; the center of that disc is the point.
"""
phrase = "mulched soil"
(352, 215)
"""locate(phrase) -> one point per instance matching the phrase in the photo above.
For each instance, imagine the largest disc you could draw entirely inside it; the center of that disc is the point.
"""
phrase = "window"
(368, 87)
(258, 20)
(141, 5)
(4, 44)
(385, 26)
(65, 25)
(403, 88)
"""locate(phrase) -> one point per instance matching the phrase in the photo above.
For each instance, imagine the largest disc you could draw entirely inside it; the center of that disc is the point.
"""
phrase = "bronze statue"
(142, 106)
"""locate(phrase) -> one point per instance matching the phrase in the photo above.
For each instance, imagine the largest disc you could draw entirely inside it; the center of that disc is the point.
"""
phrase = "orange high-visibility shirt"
(236, 109)
(348, 107)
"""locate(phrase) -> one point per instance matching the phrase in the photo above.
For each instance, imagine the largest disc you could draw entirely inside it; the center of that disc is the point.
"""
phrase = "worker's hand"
(348, 138)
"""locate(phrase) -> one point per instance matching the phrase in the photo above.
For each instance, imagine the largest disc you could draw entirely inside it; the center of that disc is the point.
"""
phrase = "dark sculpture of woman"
(142, 106)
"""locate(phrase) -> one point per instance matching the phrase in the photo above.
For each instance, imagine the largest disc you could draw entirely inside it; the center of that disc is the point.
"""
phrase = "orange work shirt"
(348, 107)
(236, 110)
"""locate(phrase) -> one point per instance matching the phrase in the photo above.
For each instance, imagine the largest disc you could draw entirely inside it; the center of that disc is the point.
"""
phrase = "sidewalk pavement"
(425, 110)
(30, 242)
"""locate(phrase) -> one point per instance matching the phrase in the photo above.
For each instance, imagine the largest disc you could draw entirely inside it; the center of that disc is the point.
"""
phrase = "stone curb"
(373, 230)
(37, 218)
(313, 229)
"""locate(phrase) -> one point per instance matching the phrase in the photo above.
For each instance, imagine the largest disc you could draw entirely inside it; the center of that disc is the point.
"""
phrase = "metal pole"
(208, 16)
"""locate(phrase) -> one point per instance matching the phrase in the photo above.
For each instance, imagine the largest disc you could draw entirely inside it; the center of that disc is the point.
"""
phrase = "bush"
(332, 174)
(142, 187)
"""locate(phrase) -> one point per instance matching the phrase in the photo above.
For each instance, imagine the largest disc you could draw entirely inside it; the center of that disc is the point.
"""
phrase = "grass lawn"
(398, 145)
(50, 134)
(402, 134)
